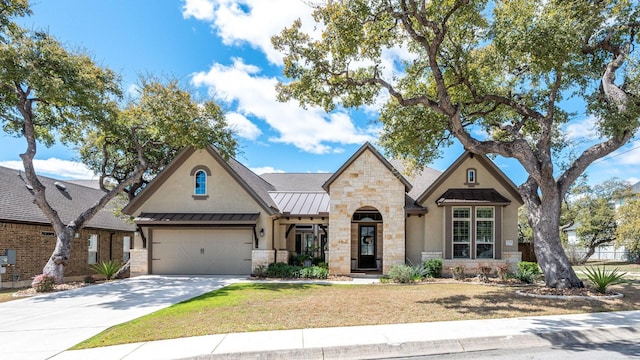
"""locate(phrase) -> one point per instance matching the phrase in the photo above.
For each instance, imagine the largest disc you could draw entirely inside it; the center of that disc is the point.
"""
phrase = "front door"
(367, 247)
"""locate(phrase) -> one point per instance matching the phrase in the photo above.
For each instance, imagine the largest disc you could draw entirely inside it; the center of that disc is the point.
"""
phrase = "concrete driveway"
(42, 326)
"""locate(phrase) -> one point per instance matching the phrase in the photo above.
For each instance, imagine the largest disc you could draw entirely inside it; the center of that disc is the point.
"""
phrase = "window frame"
(468, 221)
(92, 251)
(492, 220)
(196, 182)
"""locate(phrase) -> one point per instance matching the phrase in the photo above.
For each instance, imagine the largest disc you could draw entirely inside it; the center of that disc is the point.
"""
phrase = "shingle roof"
(16, 202)
(296, 181)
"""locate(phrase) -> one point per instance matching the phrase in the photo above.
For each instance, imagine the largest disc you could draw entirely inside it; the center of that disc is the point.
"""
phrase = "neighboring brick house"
(205, 215)
(26, 232)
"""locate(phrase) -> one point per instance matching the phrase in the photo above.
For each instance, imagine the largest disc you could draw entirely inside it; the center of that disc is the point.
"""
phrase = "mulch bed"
(58, 287)
(587, 292)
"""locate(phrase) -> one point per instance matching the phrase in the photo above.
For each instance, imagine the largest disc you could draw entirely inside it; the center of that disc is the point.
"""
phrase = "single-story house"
(28, 240)
(206, 215)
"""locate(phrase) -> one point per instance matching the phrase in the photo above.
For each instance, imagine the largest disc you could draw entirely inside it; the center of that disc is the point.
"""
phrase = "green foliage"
(286, 271)
(433, 268)
(628, 232)
(108, 269)
(402, 273)
(495, 75)
(43, 283)
(529, 267)
(525, 275)
(602, 278)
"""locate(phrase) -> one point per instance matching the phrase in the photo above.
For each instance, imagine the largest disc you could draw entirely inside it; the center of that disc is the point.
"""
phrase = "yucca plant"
(602, 278)
(108, 269)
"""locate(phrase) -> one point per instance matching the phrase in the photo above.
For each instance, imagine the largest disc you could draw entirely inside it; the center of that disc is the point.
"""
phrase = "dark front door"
(367, 247)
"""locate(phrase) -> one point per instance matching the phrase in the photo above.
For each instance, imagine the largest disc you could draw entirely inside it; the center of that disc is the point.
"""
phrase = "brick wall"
(35, 243)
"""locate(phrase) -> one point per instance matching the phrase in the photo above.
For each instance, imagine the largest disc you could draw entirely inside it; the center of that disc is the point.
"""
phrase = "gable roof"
(488, 164)
(254, 185)
(17, 205)
(356, 155)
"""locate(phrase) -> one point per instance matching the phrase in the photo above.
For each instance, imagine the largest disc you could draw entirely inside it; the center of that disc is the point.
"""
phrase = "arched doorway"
(366, 239)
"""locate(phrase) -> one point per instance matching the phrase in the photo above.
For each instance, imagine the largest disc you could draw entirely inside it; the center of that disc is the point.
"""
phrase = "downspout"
(273, 239)
(144, 239)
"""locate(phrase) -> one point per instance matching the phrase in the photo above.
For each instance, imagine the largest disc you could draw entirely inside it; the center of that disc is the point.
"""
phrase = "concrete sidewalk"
(43, 326)
(384, 341)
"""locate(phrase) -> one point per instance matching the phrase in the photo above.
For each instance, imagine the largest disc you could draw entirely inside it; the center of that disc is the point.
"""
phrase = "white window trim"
(93, 249)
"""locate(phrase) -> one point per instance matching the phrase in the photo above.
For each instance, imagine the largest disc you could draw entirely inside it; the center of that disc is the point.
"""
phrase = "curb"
(449, 346)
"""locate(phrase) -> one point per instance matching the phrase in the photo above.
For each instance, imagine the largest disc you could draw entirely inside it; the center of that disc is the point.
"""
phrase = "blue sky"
(222, 49)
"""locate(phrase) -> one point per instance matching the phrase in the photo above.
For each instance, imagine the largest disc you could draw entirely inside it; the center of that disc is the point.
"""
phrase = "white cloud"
(265, 170)
(582, 129)
(251, 21)
(628, 156)
(56, 168)
(199, 9)
(311, 130)
(243, 126)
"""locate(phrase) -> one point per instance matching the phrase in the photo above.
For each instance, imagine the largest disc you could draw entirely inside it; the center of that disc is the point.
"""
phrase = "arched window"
(471, 177)
(200, 183)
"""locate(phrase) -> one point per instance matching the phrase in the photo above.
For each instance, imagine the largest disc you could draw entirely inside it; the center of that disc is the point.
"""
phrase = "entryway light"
(261, 232)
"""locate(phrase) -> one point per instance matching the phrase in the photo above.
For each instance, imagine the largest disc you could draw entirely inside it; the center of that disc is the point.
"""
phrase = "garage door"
(201, 251)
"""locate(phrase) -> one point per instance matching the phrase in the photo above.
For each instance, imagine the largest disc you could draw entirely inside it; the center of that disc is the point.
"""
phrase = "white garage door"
(201, 251)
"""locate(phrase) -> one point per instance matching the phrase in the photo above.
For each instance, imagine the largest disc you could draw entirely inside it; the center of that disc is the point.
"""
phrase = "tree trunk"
(60, 257)
(544, 218)
(124, 271)
(591, 249)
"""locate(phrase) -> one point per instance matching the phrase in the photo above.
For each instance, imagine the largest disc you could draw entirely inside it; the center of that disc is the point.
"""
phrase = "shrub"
(314, 272)
(43, 283)
(260, 271)
(89, 279)
(402, 273)
(526, 276)
(282, 270)
(458, 271)
(484, 271)
(108, 269)
(433, 268)
(503, 271)
(529, 266)
(602, 278)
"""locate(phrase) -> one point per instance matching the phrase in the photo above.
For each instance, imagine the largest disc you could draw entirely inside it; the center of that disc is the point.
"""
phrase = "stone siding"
(35, 243)
(261, 257)
(366, 182)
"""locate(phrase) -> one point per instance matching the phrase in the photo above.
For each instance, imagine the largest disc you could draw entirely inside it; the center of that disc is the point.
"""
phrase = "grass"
(277, 306)
(610, 264)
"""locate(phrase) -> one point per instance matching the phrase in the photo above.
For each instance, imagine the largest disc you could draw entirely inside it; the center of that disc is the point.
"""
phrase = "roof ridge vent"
(60, 186)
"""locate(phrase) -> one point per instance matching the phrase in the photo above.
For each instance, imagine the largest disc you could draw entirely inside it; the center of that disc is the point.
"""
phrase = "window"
(126, 248)
(93, 249)
(461, 233)
(471, 176)
(484, 232)
(200, 183)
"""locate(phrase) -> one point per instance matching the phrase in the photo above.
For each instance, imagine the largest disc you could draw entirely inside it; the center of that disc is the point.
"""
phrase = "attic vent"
(60, 186)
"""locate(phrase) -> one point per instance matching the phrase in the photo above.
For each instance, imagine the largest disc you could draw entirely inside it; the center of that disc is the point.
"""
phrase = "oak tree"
(49, 93)
(493, 75)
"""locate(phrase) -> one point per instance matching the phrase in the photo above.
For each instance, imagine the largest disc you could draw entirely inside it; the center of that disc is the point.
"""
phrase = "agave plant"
(108, 269)
(602, 278)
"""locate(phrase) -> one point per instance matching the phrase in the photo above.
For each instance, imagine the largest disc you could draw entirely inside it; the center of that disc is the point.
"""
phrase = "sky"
(221, 49)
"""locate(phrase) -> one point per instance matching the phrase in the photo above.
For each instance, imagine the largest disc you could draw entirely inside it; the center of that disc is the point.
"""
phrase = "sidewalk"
(380, 341)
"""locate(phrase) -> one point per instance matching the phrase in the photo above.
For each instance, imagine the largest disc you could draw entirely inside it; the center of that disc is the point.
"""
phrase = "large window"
(200, 183)
(485, 234)
(461, 233)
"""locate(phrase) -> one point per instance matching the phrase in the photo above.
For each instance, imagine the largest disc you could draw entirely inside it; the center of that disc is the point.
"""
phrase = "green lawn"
(278, 306)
